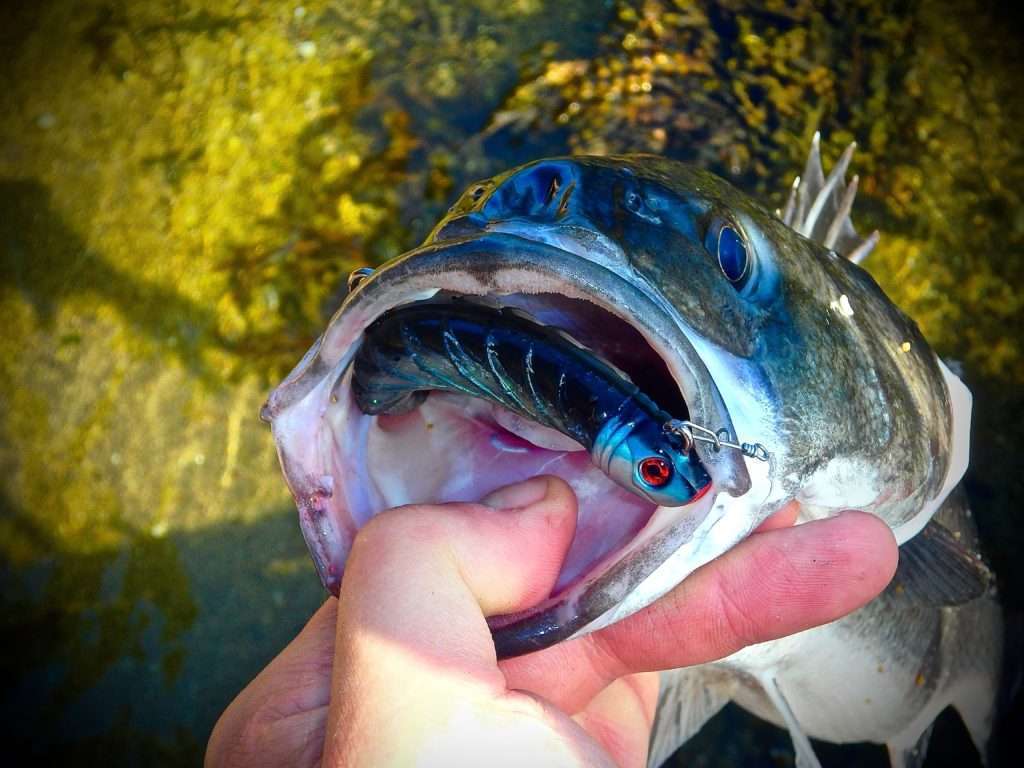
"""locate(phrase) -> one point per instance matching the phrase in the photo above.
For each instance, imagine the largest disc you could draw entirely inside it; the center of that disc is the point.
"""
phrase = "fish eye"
(750, 270)
(655, 471)
(633, 200)
(732, 255)
(477, 192)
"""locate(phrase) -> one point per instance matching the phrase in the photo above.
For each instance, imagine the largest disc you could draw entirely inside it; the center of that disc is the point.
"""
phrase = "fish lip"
(496, 263)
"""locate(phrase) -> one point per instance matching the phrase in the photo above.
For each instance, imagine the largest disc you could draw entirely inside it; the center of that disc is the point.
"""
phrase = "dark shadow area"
(736, 738)
(995, 481)
(73, 616)
(127, 656)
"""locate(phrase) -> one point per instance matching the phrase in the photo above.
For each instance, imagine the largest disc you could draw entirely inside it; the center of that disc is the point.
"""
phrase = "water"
(183, 186)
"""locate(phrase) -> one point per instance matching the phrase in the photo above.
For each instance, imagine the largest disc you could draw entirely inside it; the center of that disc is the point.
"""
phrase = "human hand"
(401, 669)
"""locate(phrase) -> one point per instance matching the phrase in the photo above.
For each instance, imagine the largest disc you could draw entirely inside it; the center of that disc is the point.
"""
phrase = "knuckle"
(240, 748)
(401, 523)
(737, 622)
(419, 521)
(261, 740)
(604, 658)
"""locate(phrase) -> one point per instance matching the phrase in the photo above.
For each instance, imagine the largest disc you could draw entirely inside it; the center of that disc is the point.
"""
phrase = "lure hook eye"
(655, 471)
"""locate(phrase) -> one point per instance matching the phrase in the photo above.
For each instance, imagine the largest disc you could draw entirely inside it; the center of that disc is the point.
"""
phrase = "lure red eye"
(655, 471)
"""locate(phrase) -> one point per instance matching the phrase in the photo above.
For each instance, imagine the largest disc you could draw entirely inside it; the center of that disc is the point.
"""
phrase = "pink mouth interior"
(458, 448)
(452, 448)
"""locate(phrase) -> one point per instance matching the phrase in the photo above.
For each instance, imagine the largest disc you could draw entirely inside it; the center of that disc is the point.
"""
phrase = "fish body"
(881, 674)
(531, 370)
(754, 323)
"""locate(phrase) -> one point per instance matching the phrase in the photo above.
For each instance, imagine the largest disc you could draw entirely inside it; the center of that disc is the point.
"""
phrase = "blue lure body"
(533, 370)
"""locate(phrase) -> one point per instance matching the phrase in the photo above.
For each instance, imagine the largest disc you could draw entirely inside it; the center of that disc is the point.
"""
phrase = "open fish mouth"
(343, 465)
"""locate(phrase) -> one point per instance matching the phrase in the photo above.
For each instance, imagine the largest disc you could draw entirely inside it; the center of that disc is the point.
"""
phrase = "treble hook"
(689, 432)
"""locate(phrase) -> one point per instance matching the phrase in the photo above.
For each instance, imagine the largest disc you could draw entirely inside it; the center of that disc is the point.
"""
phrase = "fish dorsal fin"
(819, 206)
(936, 569)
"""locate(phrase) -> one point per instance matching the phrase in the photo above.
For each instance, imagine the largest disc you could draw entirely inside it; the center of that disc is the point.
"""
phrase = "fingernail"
(517, 495)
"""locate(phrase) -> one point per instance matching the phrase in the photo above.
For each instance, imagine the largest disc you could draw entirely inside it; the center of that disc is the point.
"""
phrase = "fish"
(757, 326)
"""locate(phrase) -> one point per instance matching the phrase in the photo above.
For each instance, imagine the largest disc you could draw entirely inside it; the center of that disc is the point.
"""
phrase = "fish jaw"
(332, 453)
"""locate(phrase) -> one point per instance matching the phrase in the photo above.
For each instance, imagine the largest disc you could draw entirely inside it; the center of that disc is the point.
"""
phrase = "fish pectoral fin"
(686, 700)
(805, 757)
(937, 570)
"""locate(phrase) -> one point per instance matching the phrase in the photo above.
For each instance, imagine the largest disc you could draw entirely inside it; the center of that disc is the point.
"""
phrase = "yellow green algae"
(184, 186)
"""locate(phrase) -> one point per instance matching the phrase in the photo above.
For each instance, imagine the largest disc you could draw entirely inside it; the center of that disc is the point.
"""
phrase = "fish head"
(813, 360)
(721, 313)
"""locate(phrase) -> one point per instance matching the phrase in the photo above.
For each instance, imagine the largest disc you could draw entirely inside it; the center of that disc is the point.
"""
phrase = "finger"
(784, 518)
(279, 718)
(770, 585)
(413, 649)
(620, 717)
(505, 555)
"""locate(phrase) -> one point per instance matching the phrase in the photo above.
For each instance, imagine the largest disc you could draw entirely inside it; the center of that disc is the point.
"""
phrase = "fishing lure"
(533, 370)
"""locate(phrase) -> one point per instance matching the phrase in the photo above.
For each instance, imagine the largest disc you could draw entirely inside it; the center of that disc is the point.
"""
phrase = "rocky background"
(184, 185)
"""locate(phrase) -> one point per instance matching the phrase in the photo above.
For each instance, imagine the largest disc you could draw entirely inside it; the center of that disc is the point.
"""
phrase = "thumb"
(413, 646)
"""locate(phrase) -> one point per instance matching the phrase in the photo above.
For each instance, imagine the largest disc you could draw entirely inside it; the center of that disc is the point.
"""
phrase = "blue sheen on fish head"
(545, 193)
(686, 233)
(541, 191)
(693, 238)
